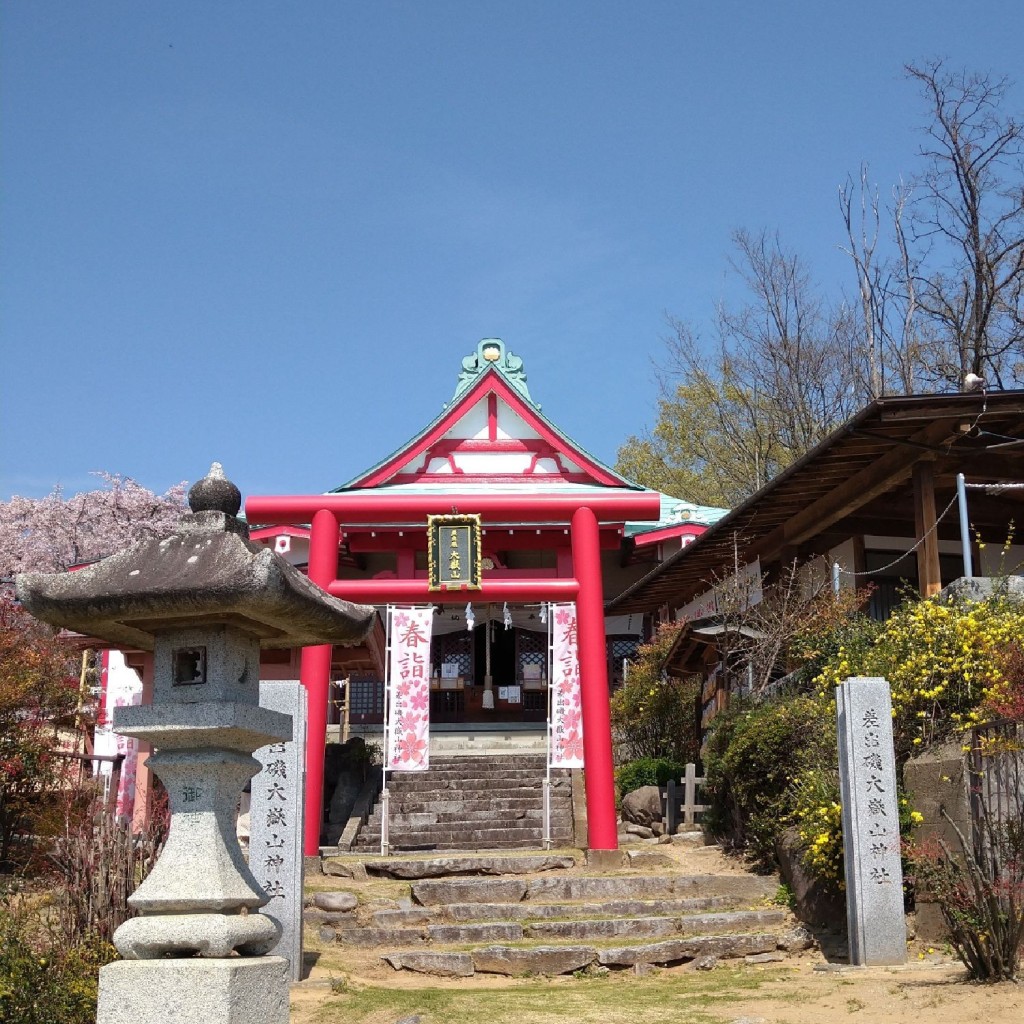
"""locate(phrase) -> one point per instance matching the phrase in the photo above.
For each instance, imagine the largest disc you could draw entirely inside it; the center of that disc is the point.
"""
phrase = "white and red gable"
(490, 433)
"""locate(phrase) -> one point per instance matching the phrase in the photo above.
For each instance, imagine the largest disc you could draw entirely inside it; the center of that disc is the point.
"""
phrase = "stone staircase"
(490, 802)
(558, 919)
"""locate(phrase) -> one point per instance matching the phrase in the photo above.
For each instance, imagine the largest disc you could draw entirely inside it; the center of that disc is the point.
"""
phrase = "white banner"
(407, 734)
(120, 687)
(565, 728)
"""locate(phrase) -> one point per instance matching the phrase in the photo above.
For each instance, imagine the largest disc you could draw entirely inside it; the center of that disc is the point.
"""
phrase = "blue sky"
(266, 233)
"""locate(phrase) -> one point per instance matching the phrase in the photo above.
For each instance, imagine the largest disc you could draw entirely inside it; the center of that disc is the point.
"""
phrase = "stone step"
(467, 768)
(463, 785)
(416, 806)
(486, 913)
(471, 864)
(497, 846)
(491, 839)
(416, 819)
(562, 959)
(530, 911)
(584, 887)
(657, 927)
(467, 830)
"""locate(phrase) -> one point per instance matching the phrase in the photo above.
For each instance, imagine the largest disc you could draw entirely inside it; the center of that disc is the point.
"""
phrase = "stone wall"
(938, 779)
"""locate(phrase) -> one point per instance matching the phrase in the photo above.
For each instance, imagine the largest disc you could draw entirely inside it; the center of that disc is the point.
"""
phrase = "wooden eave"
(859, 475)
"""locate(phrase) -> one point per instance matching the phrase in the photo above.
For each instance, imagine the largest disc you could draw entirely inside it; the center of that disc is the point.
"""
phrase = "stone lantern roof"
(205, 572)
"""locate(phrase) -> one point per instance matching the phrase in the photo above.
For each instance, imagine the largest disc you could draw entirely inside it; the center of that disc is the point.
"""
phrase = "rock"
(343, 869)
(413, 1018)
(642, 970)
(455, 890)
(796, 939)
(638, 830)
(665, 840)
(441, 965)
(764, 958)
(336, 902)
(327, 934)
(705, 963)
(815, 904)
(658, 828)
(511, 960)
(650, 858)
(749, 1020)
(642, 806)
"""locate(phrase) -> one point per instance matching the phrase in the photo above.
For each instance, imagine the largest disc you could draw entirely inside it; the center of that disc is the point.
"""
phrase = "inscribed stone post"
(871, 828)
(275, 842)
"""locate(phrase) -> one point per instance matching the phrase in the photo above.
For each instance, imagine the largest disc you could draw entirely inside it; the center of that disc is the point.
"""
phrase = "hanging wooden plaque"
(453, 552)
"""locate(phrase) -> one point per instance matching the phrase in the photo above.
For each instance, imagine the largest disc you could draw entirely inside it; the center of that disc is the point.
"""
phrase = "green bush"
(754, 754)
(654, 715)
(43, 981)
(646, 771)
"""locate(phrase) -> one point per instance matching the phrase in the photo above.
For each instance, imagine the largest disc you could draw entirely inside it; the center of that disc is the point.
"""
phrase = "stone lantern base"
(236, 990)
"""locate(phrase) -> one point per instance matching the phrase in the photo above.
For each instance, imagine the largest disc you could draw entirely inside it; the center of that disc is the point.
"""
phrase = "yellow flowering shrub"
(942, 659)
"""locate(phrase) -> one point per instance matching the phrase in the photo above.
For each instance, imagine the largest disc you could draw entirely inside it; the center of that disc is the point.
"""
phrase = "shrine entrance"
(489, 506)
(510, 663)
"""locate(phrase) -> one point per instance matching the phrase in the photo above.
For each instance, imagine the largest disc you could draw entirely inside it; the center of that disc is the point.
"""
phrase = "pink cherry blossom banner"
(565, 746)
(408, 731)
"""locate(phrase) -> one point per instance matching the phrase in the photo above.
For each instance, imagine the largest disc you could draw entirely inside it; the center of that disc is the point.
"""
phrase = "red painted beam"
(616, 507)
(525, 538)
(396, 591)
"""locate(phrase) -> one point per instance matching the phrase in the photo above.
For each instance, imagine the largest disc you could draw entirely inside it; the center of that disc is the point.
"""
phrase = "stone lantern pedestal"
(204, 600)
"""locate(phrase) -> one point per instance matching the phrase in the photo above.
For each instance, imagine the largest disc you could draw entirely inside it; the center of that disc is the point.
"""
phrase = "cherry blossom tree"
(54, 533)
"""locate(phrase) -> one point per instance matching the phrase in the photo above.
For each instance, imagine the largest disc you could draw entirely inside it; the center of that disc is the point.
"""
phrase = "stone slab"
(687, 949)
(438, 867)
(490, 932)
(486, 890)
(584, 887)
(611, 908)
(605, 860)
(378, 936)
(196, 990)
(441, 965)
(276, 820)
(612, 928)
(871, 833)
(513, 961)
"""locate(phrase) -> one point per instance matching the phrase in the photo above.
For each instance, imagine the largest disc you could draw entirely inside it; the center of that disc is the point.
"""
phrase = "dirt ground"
(355, 986)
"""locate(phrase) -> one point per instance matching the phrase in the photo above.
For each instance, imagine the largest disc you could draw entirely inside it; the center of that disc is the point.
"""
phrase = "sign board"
(407, 729)
(275, 820)
(565, 724)
(736, 594)
(453, 553)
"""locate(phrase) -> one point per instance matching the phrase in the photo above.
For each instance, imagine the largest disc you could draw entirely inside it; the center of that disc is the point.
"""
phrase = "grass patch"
(622, 999)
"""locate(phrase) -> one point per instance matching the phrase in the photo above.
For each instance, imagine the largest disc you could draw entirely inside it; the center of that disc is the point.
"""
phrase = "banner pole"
(547, 759)
(384, 795)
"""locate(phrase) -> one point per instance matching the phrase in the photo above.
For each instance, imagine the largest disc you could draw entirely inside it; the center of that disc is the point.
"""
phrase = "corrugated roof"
(866, 460)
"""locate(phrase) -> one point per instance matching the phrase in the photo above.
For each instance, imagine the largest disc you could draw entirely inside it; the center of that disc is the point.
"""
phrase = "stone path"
(549, 915)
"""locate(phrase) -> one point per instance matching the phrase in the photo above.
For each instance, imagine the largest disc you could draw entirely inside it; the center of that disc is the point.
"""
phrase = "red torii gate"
(328, 514)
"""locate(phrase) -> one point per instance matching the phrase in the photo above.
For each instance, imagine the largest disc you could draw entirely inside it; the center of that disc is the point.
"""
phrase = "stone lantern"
(204, 600)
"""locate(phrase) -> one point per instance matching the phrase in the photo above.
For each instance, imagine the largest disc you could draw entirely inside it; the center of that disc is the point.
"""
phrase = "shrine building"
(552, 524)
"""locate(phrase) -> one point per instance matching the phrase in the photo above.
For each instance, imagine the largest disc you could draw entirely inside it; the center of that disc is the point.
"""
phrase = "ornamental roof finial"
(491, 352)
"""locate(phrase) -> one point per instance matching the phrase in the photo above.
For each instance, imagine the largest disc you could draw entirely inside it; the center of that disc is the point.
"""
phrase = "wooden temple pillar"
(929, 572)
